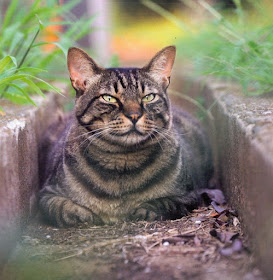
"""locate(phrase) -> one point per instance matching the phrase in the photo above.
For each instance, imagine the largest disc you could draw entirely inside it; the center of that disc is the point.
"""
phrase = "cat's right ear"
(82, 68)
(160, 66)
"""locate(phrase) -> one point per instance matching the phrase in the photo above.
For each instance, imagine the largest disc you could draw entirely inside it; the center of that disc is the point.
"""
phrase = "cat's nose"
(134, 117)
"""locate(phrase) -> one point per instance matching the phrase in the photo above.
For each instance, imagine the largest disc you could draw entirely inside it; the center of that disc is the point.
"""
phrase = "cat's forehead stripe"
(121, 79)
(133, 78)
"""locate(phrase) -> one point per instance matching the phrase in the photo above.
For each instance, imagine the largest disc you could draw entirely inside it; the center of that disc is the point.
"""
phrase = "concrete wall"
(241, 132)
(21, 130)
(243, 138)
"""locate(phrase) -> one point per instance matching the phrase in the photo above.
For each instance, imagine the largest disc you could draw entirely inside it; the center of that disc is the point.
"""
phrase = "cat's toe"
(78, 215)
(143, 214)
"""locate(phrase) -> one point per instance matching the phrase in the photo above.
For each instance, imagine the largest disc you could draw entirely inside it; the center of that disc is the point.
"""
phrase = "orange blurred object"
(51, 34)
(132, 51)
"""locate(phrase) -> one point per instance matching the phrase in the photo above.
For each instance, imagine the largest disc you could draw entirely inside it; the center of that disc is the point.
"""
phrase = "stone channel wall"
(243, 138)
(21, 130)
(241, 133)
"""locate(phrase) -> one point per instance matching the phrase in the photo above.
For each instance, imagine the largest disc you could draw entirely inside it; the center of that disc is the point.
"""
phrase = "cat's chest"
(120, 163)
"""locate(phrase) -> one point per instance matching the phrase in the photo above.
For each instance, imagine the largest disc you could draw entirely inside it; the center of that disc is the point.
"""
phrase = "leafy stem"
(23, 59)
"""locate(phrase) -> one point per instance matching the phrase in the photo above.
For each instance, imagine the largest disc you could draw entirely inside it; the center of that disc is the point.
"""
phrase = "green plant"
(237, 46)
(24, 64)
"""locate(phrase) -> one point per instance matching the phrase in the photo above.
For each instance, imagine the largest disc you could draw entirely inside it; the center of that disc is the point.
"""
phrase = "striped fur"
(125, 160)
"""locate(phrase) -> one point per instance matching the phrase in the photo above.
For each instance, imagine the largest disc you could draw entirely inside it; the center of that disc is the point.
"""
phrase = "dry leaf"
(224, 236)
(215, 195)
(218, 208)
(197, 241)
(236, 247)
(236, 221)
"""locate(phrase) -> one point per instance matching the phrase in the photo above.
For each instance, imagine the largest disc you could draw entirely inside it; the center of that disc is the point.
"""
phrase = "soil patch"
(207, 244)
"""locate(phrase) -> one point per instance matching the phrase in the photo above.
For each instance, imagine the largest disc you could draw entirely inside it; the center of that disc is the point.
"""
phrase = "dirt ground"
(207, 244)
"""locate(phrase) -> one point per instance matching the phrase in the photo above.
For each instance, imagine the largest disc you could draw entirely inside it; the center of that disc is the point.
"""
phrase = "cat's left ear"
(160, 66)
(82, 68)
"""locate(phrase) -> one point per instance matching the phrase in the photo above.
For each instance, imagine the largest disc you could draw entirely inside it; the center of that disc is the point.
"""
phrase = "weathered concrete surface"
(20, 131)
(244, 141)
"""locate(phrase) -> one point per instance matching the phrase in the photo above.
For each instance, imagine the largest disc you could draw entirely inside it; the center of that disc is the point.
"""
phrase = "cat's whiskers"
(158, 141)
(162, 134)
(92, 134)
(86, 133)
(182, 134)
(166, 132)
(150, 135)
(95, 136)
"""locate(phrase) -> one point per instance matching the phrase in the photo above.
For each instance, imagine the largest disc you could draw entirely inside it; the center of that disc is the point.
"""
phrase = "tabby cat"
(125, 153)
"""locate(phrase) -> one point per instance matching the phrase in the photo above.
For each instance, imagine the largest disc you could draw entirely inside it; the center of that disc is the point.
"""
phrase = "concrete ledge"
(20, 132)
(243, 137)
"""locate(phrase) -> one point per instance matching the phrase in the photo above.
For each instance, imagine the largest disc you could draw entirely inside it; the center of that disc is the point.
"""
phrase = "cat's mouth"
(132, 131)
(130, 137)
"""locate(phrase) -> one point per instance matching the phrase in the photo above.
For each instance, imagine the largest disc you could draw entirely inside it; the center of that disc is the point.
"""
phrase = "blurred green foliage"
(237, 46)
(25, 65)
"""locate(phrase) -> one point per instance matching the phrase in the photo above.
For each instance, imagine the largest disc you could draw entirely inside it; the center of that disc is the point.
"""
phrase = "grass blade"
(33, 86)
(9, 14)
(6, 61)
(26, 95)
(164, 13)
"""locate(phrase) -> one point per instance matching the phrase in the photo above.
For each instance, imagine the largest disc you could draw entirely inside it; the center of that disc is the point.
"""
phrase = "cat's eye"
(148, 98)
(109, 98)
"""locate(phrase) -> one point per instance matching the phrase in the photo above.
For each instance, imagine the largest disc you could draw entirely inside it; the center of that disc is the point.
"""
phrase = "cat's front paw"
(75, 214)
(65, 213)
(144, 214)
(160, 209)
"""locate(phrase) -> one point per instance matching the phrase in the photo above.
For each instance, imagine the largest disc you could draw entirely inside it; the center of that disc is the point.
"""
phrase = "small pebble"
(147, 270)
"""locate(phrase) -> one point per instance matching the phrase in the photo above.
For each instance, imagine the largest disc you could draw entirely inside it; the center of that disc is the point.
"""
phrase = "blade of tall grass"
(23, 92)
(33, 86)
(164, 13)
(6, 61)
(9, 14)
(193, 101)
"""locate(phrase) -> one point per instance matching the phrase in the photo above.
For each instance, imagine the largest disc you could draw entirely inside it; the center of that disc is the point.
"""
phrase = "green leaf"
(16, 98)
(66, 7)
(9, 13)
(31, 69)
(58, 44)
(51, 3)
(33, 86)
(61, 47)
(16, 42)
(12, 78)
(41, 25)
(35, 5)
(85, 28)
(50, 86)
(6, 61)
(26, 95)
(59, 23)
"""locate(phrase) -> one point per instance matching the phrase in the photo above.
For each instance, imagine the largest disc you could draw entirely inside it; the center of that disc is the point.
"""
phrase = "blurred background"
(228, 38)
(135, 30)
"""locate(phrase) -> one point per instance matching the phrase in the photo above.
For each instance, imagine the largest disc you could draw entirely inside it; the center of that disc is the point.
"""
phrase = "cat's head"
(127, 106)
